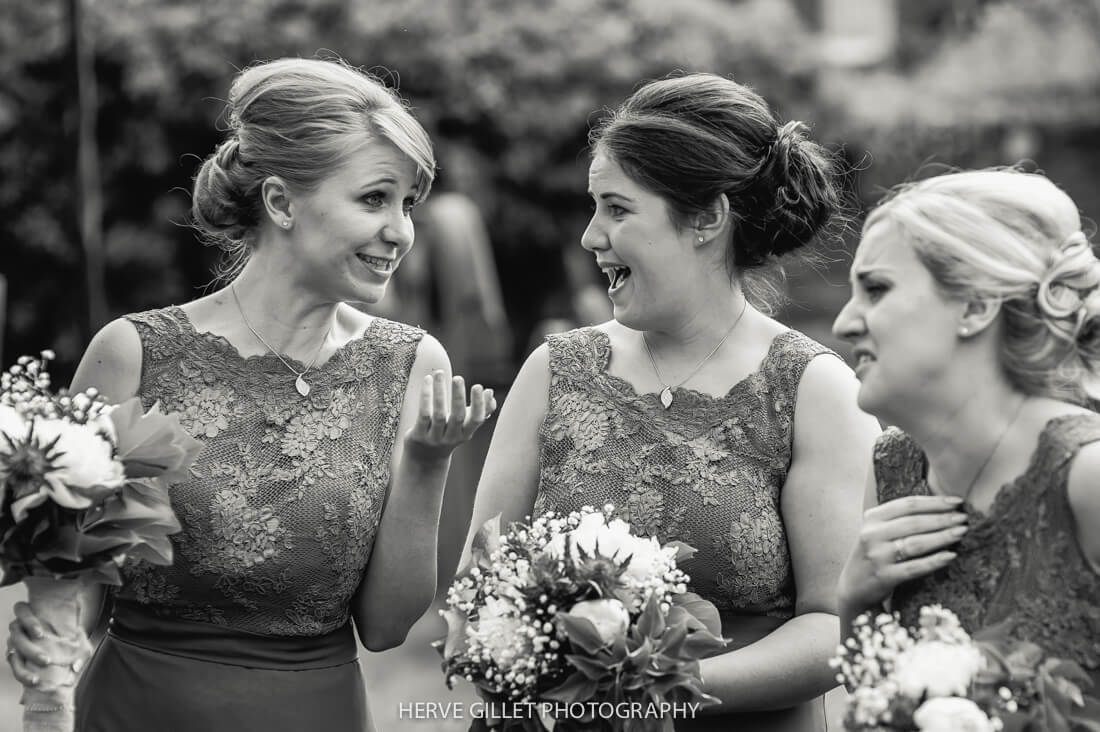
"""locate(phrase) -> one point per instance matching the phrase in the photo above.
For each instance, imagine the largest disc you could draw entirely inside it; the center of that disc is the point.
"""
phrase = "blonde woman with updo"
(975, 319)
(314, 505)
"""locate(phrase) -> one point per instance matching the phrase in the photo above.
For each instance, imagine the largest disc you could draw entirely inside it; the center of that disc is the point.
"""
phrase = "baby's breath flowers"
(937, 678)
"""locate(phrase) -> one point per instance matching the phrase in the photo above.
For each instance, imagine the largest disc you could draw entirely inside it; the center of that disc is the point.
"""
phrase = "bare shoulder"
(1083, 487)
(112, 362)
(826, 412)
(828, 381)
(430, 356)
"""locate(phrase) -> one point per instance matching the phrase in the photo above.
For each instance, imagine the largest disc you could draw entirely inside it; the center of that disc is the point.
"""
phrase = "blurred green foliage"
(508, 88)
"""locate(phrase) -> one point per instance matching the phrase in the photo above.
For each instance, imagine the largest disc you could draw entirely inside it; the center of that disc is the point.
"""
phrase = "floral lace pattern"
(1020, 563)
(708, 471)
(280, 515)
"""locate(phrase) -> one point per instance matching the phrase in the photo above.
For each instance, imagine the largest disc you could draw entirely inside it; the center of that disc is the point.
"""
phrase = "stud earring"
(286, 224)
(700, 239)
(964, 331)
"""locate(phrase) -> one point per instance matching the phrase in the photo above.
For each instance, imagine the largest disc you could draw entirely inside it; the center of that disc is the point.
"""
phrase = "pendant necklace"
(300, 383)
(666, 392)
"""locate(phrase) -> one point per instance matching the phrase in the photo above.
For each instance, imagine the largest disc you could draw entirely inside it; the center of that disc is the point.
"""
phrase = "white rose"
(498, 631)
(84, 459)
(12, 425)
(936, 668)
(951, 714)
(609, 616)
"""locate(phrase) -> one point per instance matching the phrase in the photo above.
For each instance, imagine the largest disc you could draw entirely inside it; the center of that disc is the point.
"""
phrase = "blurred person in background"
(327, 432)
(449, 286)
(975, 321)
(697, 415)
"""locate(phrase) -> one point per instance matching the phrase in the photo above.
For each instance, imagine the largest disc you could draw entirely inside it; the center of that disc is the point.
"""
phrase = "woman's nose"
(848, 324)
(593, 237)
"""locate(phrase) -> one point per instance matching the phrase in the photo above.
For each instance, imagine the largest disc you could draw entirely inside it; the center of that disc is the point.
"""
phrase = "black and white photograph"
(550, 365)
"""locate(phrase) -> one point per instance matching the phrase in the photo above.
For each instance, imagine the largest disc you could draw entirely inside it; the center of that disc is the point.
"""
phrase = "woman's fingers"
(31, 625)
(25, 647)
(24, 672)
(477, 414)
(913, 568)
(927, 523)
(911, 505)
(919, 545)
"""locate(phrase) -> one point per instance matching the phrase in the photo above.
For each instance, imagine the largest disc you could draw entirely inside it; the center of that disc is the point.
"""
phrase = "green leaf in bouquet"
(702, 610)
(455, 642)
(577, 687)
(486, 541)
(138, 504)
(581, 632)
(684, 551)
(592, 667)
(651, 623)
(640, 656)
(672, 641)
(152, 443)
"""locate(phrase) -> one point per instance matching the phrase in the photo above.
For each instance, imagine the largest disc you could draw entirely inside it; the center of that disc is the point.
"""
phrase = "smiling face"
(903, 330)
(351, 233)
(648, 260)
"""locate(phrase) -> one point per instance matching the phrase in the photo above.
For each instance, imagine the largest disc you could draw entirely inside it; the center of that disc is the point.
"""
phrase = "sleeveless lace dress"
(708, 471)
(249, 628)
(1020, 562)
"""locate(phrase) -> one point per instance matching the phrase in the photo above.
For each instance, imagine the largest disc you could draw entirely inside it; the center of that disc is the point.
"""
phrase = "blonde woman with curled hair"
(313, 511)
(975, 320)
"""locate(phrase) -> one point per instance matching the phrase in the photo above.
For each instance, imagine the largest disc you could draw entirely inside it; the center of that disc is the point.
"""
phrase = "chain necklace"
(666, 392)
(989, 456)
(300, 383)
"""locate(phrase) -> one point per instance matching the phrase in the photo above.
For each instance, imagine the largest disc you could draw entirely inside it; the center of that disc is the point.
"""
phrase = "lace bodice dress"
(1020, 562)
(278, 519)
(708, 472)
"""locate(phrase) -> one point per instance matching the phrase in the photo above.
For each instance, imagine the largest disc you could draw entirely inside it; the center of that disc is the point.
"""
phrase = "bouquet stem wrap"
(50, 706)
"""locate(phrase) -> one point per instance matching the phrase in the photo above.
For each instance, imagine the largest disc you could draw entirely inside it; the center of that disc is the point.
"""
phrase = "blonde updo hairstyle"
(297, 119)
(1015, 237)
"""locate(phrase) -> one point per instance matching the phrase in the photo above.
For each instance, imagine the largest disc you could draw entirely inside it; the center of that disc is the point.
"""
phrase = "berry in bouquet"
(940, 679)
(84, 486)
(573, 622)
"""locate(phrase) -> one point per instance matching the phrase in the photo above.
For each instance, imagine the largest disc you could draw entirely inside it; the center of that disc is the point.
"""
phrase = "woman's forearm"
(400, 580)
(786, 667)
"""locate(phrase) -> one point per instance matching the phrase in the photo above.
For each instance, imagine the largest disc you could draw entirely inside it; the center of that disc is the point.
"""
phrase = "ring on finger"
(899, 551)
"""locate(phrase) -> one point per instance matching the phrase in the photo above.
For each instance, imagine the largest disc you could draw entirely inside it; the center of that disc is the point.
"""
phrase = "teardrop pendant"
(302, 385)
(666, 397)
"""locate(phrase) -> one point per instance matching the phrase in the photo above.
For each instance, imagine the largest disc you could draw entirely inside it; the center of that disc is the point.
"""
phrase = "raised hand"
(445, 420)
(900, 540)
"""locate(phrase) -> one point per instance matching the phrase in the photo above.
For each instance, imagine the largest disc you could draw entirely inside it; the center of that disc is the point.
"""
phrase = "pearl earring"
(700, 239)
(964, 331)
(286, 224)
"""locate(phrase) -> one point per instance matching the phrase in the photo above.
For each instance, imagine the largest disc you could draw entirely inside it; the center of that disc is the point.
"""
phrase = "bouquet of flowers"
(84, 486)
(574, 623)
(940, 679)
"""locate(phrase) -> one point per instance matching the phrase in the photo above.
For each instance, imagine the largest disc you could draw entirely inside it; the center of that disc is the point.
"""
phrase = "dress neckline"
(685, 397)
(1008, 492)
(223, 345)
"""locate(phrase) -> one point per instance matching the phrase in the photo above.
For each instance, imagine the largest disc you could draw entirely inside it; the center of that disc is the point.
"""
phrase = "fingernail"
(43, 660)
(953, 500)
(77, 665)
(39, 634)
(34, 681)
